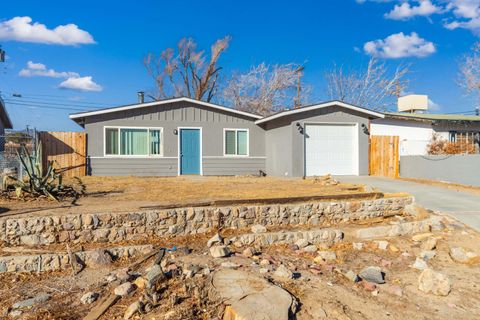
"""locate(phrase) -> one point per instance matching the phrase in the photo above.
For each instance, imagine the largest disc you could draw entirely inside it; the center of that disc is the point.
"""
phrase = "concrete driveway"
(461, 205)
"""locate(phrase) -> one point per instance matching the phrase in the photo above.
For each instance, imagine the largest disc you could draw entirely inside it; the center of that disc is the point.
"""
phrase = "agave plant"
(38, 182)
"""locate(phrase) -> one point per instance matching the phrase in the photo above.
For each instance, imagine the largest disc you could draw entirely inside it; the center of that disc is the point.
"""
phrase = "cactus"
(38, 182)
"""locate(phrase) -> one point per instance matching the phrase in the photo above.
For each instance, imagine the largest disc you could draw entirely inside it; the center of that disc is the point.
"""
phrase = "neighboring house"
(186, 136)
(5, 123)
(415, 130)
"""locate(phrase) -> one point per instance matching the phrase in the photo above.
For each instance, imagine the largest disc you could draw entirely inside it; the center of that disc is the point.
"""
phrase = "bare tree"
(265, 89)
(375, 88)
(187, 72)
(470, 71)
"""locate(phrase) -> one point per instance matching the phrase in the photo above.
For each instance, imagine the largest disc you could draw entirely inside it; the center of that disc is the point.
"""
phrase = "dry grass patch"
(116, 194)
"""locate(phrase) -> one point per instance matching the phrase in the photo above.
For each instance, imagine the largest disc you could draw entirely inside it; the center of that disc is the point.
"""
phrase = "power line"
(22, 97)
(43, 106)
(54, 98)
(28, 100)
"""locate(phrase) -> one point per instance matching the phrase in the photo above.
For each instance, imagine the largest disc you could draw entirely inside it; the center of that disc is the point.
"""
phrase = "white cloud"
(400, 45)
(467, 14)
(39, 69)
(468, 9)
(22, 29)
(406, 11)
(81, 84)
(456, 14)
(73, 80)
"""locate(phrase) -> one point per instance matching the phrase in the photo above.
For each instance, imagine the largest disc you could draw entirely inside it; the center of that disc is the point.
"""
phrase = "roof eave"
(428, 120)
(148, 104)
(320, 106)
(399, 117)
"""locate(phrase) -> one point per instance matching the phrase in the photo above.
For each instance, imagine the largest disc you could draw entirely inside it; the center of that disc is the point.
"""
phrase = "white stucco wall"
(414, 135)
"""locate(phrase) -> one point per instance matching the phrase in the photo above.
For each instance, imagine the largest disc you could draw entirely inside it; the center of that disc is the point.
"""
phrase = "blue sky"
(103, 52)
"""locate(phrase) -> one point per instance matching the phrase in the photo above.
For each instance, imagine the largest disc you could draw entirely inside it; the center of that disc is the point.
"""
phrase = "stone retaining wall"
(114, 227)
(434, 223)
(59, 261)
(327, 236)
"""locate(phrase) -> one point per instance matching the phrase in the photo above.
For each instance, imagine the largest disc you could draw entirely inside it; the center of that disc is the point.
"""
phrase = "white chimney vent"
(412, 103)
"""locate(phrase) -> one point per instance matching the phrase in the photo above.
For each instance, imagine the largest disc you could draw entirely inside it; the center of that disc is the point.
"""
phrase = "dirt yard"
(115, 194)
(319, 288)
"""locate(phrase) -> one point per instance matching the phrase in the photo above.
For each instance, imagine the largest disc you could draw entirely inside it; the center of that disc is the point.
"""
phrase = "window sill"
(133, 156)
(235, 156)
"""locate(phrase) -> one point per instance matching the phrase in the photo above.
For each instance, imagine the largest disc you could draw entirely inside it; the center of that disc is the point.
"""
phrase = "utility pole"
(297, 101)
(2, 54)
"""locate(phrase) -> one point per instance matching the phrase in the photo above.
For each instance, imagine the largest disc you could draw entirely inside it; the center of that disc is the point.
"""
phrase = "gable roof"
(432, 117)
(80, 115)
(285, 113)
(7, 123)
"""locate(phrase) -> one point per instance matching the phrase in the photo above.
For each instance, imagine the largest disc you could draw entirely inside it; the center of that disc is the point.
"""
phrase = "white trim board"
(236, 143)
(165, 157)
(320, 106)
(131, 156)
(162, 102)
(233, 158)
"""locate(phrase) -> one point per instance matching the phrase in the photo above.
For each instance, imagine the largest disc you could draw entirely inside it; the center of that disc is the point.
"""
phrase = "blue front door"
(190, 151)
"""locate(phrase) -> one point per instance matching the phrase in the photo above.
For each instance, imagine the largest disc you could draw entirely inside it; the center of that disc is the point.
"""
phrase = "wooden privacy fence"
(384, 156)
(67, 150)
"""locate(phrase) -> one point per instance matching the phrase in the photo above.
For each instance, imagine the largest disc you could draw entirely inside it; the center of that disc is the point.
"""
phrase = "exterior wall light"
(299, 127)
(365, 129)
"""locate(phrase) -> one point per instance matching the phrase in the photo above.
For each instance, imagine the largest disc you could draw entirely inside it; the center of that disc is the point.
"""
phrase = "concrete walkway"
(461, 205)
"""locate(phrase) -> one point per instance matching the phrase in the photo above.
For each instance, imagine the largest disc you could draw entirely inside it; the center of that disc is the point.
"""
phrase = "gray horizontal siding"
(169, 166)
(172, 116)
(132, 166)
(232, 166)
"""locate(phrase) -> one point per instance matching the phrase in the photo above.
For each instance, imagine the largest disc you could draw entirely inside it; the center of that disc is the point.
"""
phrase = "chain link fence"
(11, 143)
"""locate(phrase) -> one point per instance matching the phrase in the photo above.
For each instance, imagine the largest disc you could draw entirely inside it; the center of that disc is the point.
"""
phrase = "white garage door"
(331, 148)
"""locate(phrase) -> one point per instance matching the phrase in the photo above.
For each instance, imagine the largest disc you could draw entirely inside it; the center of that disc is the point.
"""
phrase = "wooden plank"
(101, 308)
(384, 156)
(68, 149)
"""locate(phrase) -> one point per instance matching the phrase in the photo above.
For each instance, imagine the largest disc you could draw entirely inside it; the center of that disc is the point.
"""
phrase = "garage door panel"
(330, 148)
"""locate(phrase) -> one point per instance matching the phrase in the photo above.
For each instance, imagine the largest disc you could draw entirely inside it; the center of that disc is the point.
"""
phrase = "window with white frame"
(133, 141)
(236, 142)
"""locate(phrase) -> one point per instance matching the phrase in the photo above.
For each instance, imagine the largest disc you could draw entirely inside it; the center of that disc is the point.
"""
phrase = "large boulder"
(434, 282)
(372, 274)
(219, 251)
(124, 289)
(41, 298)
(462, 255)
(98, 258)
(325, 256)
(214, 240)
(153, 276)
(250, 297)
(89, 297)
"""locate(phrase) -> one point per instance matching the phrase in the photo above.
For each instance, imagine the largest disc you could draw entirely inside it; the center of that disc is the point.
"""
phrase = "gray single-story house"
(186, 136)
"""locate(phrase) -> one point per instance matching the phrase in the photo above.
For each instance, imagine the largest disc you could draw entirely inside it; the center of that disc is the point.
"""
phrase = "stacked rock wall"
(115, 227)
